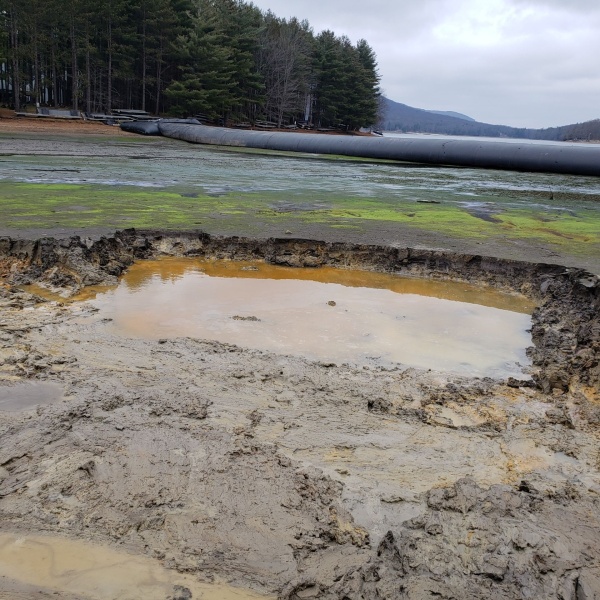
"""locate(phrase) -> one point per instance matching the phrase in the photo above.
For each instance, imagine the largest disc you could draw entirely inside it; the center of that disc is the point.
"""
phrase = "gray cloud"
(569, 6)
(516, 62)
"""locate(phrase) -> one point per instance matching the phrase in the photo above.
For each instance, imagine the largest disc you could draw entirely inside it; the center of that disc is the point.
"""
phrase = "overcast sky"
(526, 63)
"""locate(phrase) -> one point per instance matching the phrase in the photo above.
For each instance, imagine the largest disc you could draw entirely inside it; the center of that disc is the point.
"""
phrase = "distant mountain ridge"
(451, 113)
(404, 118)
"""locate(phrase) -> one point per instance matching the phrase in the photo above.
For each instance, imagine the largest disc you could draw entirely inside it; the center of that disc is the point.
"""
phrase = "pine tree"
(347, 82)
(221, 57)
(13, 11)
(206, 81)
(370, 90)
(329, 73)
(240, 24)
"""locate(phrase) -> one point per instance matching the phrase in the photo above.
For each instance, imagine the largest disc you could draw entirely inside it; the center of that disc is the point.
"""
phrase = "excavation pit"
(326, 314)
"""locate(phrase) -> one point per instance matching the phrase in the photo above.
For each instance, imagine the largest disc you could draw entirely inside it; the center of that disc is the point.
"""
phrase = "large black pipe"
(548, 157)
(151, 126)
(141, 127)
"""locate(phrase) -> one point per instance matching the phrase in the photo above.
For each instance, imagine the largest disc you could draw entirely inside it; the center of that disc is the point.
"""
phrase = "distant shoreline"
(488, 137)
(10, 123)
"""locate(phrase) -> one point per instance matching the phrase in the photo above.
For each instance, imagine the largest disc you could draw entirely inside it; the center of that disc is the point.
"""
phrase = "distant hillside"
(404, 118)
(451, 113)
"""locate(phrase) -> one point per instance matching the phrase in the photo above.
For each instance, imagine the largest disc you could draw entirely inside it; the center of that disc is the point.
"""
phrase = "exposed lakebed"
(292, 477)
(126, 182)
(325, 314)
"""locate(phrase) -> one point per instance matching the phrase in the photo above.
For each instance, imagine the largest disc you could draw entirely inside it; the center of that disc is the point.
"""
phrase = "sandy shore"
(47, 126)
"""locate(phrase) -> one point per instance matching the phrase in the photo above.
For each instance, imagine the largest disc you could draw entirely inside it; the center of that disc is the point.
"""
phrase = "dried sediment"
(296, 478)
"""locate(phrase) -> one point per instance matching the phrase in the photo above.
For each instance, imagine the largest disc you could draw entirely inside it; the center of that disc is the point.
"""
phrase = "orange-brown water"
(325, 314)
(173, 269)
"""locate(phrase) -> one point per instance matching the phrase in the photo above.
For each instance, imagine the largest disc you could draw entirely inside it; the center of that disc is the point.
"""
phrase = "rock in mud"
(180, 593)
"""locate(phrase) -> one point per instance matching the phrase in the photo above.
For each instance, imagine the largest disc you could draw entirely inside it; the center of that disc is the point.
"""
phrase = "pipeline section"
(550, 157)
(151, 126)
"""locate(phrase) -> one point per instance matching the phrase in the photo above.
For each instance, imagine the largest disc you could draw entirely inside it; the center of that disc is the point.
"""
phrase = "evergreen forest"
(224, 59)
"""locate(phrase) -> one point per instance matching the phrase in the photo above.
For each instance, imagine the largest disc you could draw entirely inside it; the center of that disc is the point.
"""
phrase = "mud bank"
(294, 478)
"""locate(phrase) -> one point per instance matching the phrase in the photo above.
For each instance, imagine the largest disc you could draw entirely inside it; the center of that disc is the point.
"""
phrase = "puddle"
(27, 395)
(99, 573)
(87, 293)
(325, 314)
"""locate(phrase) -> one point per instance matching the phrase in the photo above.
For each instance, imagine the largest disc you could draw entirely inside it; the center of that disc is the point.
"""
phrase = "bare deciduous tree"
(284, 61)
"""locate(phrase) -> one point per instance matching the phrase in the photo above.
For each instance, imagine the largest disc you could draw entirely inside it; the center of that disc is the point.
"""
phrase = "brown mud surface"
(10, 123)
(269, 474)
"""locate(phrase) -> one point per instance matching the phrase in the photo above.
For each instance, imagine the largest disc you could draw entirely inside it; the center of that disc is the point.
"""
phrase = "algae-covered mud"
(214, 468)
(63, 185)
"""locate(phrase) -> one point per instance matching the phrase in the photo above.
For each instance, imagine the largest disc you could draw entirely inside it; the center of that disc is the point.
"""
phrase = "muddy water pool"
(325, 314)
(98, 573)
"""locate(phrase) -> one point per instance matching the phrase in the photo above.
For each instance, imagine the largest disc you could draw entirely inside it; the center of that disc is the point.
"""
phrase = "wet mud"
(293, 478)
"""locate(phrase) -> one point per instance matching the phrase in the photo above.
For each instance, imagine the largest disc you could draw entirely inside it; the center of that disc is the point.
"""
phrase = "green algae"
(454, 220)
(42, 205)
(26, 205)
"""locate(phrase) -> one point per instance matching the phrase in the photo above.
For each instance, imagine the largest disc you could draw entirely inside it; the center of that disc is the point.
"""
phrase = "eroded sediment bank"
(295, 478)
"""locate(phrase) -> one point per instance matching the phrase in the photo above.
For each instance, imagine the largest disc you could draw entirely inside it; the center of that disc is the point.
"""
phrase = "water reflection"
(326, 314)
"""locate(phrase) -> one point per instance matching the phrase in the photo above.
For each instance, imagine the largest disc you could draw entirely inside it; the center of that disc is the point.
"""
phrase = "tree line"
(225, 59)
